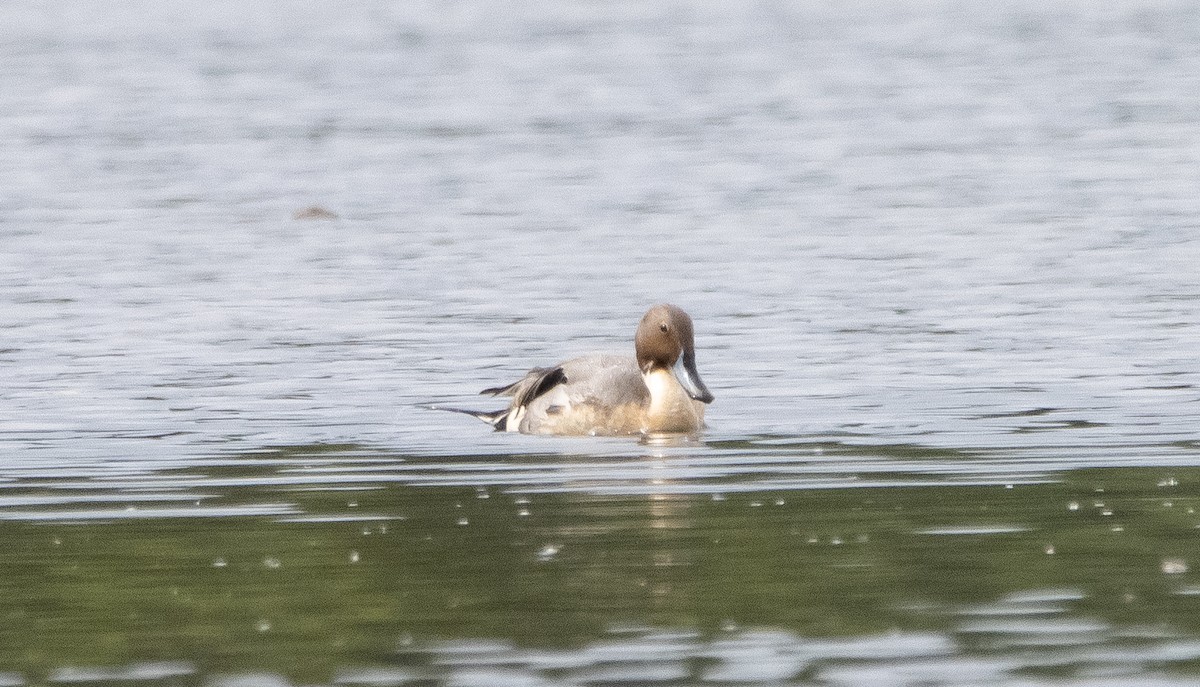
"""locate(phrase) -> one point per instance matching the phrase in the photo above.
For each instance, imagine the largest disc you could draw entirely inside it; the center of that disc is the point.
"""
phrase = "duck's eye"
(663, 327)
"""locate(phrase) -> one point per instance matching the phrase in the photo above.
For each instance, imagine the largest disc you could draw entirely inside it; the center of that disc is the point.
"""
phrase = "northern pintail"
(659, 390)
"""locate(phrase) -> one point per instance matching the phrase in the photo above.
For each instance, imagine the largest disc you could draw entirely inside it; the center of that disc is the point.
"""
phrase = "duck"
(656, 391)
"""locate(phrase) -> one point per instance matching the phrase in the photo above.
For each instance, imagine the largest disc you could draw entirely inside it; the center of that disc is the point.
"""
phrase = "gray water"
(941, 257)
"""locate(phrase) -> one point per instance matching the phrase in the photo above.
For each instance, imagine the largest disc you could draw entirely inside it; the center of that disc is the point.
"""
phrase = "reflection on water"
(618, 468)
(380, 573)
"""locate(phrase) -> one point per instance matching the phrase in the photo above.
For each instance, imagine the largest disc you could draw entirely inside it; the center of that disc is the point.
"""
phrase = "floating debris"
(1174, 566)
(314, 212)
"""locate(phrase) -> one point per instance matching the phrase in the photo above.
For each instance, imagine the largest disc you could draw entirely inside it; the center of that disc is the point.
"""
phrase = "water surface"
(940, 259)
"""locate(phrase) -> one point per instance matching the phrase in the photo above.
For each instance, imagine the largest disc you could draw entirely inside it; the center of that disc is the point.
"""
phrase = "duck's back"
(601, 394)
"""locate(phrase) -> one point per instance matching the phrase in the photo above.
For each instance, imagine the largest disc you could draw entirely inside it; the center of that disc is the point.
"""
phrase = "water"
(941, 259)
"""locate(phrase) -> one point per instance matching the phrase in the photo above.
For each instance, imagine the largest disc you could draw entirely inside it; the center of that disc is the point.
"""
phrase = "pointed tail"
(498, 419)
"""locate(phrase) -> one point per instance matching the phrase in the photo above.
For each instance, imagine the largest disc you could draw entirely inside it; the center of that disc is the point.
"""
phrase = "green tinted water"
(381, 574)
